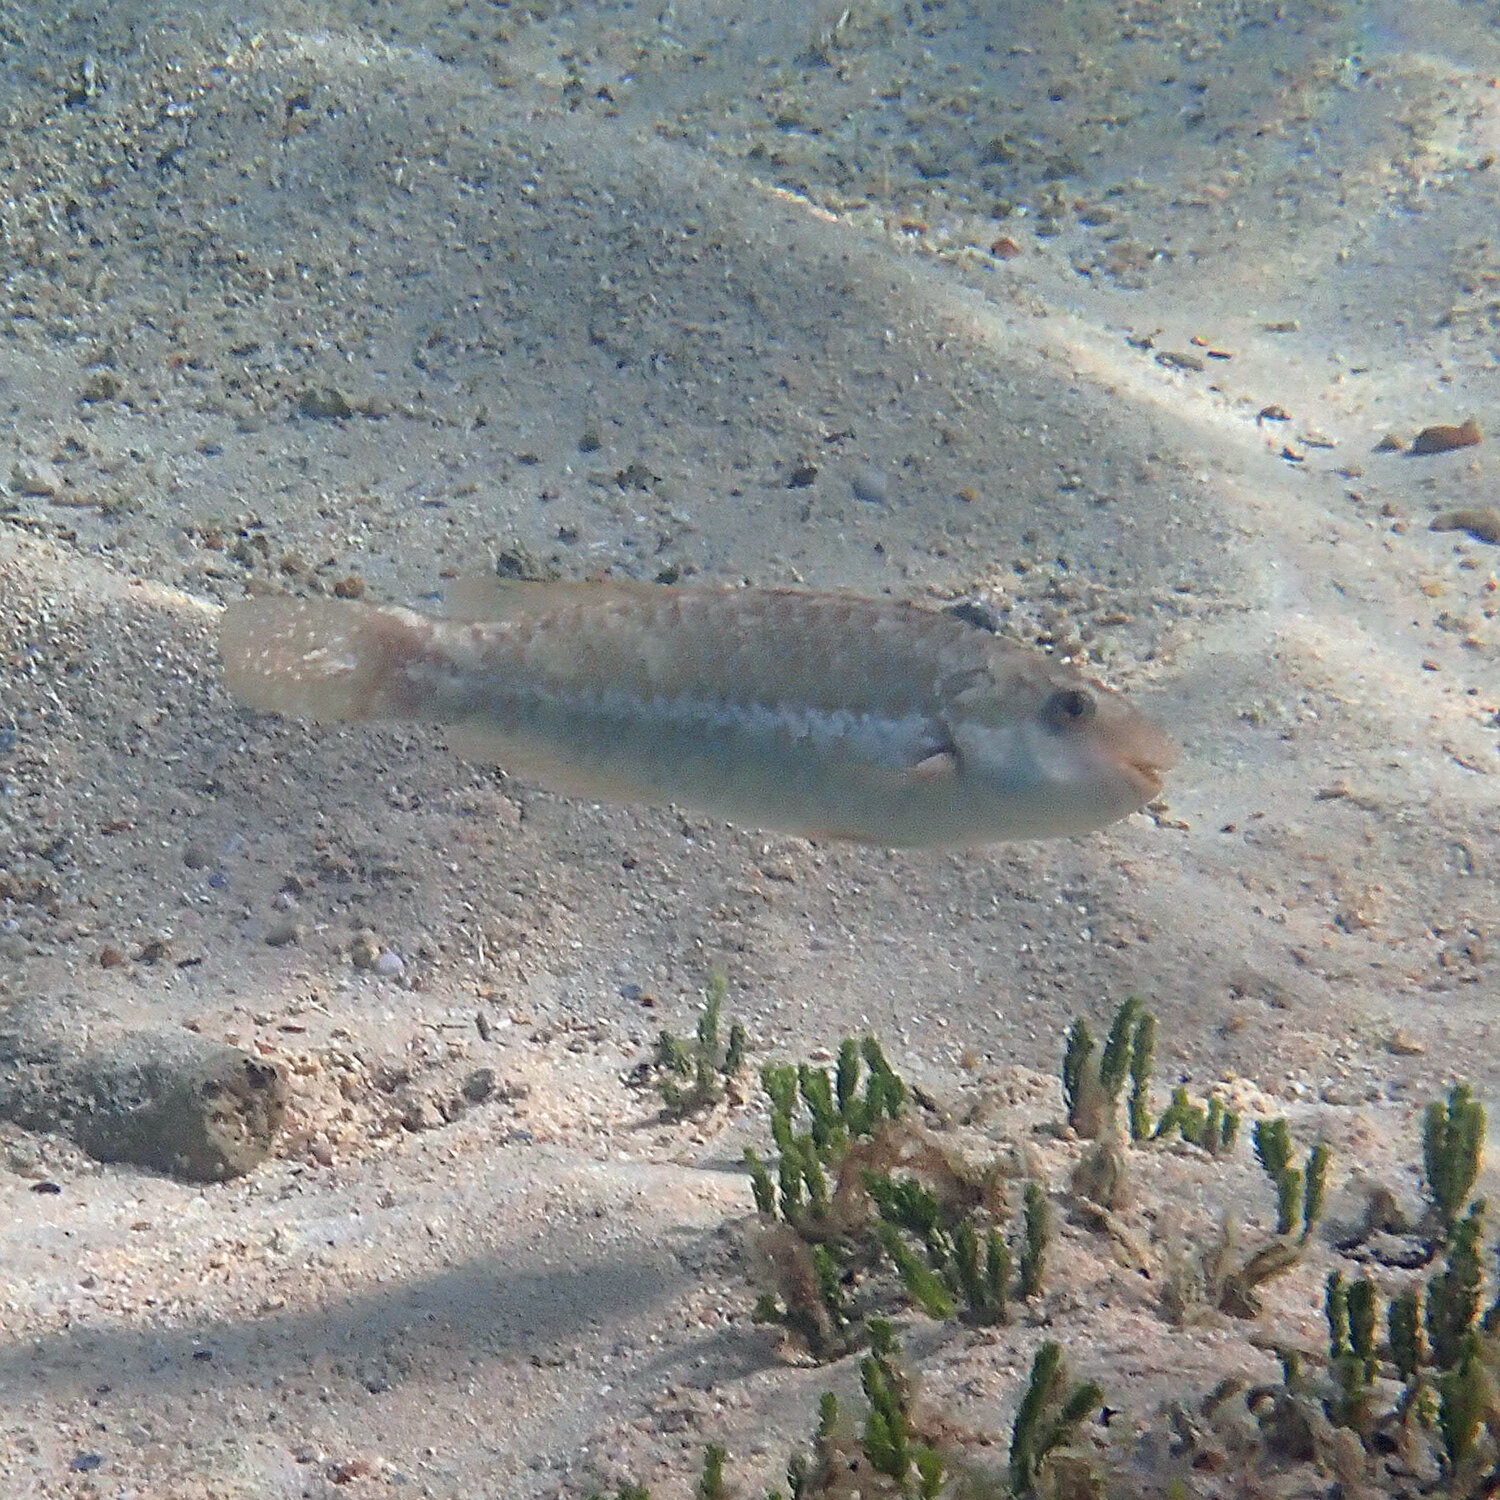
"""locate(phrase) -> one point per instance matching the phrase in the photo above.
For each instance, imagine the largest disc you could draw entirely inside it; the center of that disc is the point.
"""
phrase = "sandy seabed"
(1097, 312)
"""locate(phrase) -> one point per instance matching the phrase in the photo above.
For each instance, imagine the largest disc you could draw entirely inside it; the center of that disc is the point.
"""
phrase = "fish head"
(1064, 755)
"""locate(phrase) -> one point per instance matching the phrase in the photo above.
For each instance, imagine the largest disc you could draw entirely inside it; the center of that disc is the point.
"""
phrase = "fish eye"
(1068, 707)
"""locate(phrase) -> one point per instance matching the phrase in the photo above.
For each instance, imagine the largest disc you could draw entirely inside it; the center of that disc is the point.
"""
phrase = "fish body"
(825, 715)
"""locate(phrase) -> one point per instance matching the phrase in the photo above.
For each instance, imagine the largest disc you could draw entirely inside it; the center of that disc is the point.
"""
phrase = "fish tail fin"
(321, 660)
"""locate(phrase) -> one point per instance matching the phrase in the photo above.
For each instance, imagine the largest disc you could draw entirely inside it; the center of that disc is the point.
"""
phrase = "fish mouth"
(1147, 776)
(1140, 752)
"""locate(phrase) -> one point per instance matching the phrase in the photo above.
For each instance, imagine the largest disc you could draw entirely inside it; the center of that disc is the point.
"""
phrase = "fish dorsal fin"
(488, 597)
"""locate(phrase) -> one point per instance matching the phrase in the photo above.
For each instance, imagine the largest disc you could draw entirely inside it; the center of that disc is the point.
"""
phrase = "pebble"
(870, 485)
(1401, 1044)
(1402, 1252)
(1175, 360)
(325, 404)
(1348, 1093)
(23, 1159)
(479, 1085)
(1482, 524)
(1441, 438)
(284, 933)
(99, 385)
(422, 1114)
(35, 476)
(977, 612)
(389, 964)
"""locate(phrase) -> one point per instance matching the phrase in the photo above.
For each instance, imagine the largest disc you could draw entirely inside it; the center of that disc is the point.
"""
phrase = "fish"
(824, 715)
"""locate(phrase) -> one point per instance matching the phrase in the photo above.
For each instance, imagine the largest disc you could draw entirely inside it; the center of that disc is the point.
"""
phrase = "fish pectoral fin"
(941, 765)
(935, 768)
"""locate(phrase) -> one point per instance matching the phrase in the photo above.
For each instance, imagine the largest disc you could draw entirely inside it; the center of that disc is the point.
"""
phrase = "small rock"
(1441, 438)
(1344, 1094)
(1401, 1044)
(283, 933)
(1483, 524)
(35, 476)
(634, 476)
(521, 562)
(870, 485)
(24, 1160)
(1402, 1252)
(976, 612)
(363, 951)
(389, 964)
(479, 1085)
(1383, 1213)
(99, 385)
(421, 1114)
(326, 403)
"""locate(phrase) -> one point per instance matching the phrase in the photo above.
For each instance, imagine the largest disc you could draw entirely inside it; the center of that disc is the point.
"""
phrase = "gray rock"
(168, 1100)
(35, 476)
(870, 484)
